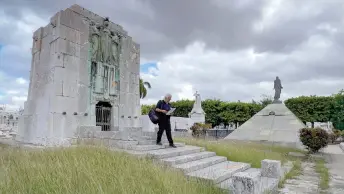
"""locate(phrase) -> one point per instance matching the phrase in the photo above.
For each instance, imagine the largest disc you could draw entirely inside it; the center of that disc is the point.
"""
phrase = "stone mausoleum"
(84, 75)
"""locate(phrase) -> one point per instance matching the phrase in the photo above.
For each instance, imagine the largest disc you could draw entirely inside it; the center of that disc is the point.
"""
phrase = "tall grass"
(324, 174)
(90, 170)
(239, 151)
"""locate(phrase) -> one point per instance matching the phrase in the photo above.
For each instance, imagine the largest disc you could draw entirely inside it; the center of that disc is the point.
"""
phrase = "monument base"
(277, 102)
(197, 117)
(280, 128)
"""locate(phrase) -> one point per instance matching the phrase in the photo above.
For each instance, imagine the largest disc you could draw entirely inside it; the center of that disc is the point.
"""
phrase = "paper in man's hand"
(171, 111)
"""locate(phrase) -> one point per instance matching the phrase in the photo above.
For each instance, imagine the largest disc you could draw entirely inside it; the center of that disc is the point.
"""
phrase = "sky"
(230, 50)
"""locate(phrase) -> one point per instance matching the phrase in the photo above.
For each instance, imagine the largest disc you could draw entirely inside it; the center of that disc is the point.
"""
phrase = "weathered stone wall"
(61, 96)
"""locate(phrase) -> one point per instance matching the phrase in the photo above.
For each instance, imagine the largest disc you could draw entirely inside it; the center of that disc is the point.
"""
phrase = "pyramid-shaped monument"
(274, 124)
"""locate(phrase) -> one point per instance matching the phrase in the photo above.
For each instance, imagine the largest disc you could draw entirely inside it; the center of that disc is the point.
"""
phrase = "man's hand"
(164, 111)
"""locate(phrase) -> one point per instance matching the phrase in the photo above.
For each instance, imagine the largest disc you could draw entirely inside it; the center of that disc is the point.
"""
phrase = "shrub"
(332, 137)
(199, 129)
(335, 135)
(314, 139)
(342, 134)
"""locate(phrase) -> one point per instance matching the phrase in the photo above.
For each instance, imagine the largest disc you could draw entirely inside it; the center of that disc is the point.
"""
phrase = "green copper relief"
(105, 51)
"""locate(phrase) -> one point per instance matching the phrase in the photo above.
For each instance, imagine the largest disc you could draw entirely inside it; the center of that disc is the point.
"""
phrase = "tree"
(337, 110)
(311, 108)
(143, 89)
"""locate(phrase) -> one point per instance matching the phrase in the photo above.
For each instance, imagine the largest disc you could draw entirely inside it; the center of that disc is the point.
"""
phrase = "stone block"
(58, 88)
(56, 59)
(83, 98)
(70, 34)
(73, 20)
(60, 104)
(84, 71)
(71, 63)
(271, 168)
(68, 79)
(246, 182)
(87, 131)
(107, 134)
(66, 47)
(88, 14)
(131, 133)
(84, 51)
(47, 30)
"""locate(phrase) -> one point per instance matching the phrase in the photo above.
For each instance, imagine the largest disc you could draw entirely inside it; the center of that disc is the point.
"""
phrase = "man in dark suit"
(162, 107)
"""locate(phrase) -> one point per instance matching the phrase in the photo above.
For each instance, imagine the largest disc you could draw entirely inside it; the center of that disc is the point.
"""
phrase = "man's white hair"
(167, 95)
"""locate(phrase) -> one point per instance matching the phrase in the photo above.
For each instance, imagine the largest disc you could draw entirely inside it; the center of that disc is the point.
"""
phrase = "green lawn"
(248, 152)
(89, 170)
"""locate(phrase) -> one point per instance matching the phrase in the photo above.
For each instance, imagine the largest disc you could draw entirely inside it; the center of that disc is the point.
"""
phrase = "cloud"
(230, 50)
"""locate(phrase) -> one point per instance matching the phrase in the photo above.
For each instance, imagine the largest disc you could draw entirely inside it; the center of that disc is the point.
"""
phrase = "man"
(164, 123)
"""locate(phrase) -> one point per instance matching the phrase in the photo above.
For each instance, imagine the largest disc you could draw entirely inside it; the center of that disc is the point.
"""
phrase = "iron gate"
(103, 117)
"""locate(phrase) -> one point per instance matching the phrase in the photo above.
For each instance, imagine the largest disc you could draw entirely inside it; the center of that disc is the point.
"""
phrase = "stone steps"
(188, 158)
(149, 147)
(220, 172)
(199, 164)
(173, 152)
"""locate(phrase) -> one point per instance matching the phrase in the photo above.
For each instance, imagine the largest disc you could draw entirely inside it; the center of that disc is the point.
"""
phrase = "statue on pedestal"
(197, 107)
(278, 88)
(197, 114)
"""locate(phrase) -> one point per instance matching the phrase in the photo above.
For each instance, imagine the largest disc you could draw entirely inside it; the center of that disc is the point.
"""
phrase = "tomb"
(275, 124)
(84, 76)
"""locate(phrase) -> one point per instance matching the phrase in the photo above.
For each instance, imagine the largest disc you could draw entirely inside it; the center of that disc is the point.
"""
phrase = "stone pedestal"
(271, 168)
(65, 84)
(197, 117)
(246, 183)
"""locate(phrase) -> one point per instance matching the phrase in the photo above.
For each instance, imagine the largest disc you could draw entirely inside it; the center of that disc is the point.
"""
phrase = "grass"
(323, 172)
(90, 170)
(293, 173)
(252, 153)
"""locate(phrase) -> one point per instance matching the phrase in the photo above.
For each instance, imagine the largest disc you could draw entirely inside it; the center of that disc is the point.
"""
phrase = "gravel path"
(306, 183)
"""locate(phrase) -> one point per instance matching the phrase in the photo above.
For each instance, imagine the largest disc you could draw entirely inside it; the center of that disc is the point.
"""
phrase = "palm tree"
(143, 89)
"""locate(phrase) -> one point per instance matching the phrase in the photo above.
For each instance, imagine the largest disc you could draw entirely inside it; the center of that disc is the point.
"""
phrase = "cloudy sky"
(226, 49)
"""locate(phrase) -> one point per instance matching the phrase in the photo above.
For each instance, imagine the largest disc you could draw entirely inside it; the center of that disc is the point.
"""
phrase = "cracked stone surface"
(335, 160)
(306, 183)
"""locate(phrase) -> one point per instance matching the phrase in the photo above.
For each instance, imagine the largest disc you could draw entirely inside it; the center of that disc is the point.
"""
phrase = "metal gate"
(103, 117)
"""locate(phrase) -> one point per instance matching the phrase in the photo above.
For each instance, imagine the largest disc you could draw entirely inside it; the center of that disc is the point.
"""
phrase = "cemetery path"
(335, 160)
(306, 183)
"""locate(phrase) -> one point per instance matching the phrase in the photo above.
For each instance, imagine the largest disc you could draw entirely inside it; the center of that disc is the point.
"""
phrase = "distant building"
(8, 117)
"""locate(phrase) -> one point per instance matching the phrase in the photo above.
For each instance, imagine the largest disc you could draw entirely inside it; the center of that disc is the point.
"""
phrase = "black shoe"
(160, 144)
(173, 146)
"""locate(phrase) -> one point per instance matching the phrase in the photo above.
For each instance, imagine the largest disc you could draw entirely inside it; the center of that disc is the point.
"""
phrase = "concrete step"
(147, 147)
(147, 142)
(173, 152)
(220, 172)
(188, 158)
(199, 164)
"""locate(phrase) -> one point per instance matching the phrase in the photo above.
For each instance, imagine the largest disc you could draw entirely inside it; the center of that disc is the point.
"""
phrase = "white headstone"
(197, 114)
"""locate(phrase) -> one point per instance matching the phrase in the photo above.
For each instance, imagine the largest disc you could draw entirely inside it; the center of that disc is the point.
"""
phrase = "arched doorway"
(103, 115)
